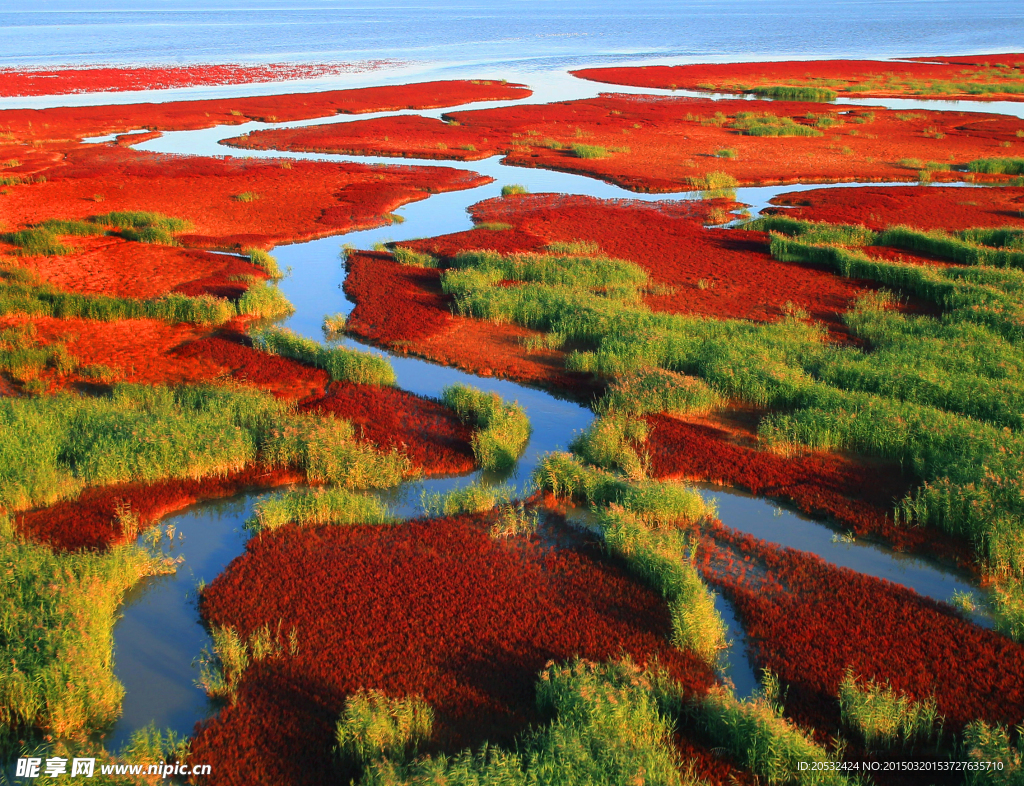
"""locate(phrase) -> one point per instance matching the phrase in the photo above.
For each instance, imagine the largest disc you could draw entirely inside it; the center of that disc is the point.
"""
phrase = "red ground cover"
(430, 434)
(859, 495)
(64, 123)
(868, 78)
(295, 201)
(826, 619)
(926, 208)
(112, 266)
(89, 522)
(659, 144)
(431, 608)
(103, 79)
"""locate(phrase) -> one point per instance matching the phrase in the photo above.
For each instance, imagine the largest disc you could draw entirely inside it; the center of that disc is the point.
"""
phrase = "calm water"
(524, 33)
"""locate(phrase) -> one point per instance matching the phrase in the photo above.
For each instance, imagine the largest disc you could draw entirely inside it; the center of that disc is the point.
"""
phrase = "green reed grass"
(997, 166)
(263, 300)
(144, 227)
(605, 728)
(955, 249)
(342, 364)
(222, 667)
(755, 734)
(474, 498)
(515, 189)
(406, 256)
(58, 445)
(589, 151)
(614, 441)
(311, 507)
(767, 124)
(786, 93)
(813, 232)
(985, 743)
(884, 718)
(575, 248)
(36, 242)
(265, 261)
(515, 520)
(569, 269)
(57, 613)
(502, 430)
(374, 726)
(650, 391)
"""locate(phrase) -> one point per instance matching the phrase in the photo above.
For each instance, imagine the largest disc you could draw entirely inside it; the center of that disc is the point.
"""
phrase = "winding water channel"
(160, 635)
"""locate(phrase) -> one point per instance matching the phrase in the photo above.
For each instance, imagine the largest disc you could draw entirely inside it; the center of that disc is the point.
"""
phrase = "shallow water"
(160, 635)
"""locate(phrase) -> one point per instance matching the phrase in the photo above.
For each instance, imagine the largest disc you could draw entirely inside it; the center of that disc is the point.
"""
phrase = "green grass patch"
(575, 248)
(614, 441)
(813, 232)
(884, 718)
(767, 124)
(650, 391)
(984, 744)
(143, 227)
(373, 726)
(475, 498)
(221, 669)
(58, 445)
(263, 301)
(407, 256)
(513, 189)
(786, 93)
(265, 261)
(589, 151)
(247, 196)
(997, 166)
(342, 364)
(502, 430)
(57, 614)
(311, 507)
(36, 242)
(605, 727)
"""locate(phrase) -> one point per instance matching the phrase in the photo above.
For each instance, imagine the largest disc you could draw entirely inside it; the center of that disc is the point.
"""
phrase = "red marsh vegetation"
(105, 79)
(71, 123)
(934, 207)
(987, 77)
(660, 144)
(231, 203)
(817, 620)
(429, 608)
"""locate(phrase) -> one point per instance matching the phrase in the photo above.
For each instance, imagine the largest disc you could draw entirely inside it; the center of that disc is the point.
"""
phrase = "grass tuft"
(502, 430)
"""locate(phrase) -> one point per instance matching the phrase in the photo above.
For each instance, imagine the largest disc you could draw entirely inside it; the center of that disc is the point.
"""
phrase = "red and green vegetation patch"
(858, 495)
(822, 620)
(662, 144)
(103, 79)
(428, 608)
(924, 208)
(992, 77)
(717, 272)
(96, 519)
(66, 123)
(298, 200)
(114, 266)
(428, 432)
(403, 308)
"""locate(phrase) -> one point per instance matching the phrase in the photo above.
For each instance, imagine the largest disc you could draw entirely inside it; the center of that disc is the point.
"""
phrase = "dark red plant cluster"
(826, 619)
(430, 608)
(923, 208)
(89, 522)
(394, 302)
(100, 79)
(429, 433)
(857, 494)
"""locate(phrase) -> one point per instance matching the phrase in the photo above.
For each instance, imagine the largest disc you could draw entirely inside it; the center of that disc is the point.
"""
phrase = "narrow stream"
(160, 634)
